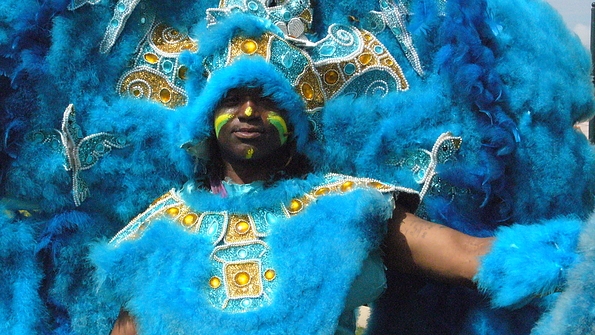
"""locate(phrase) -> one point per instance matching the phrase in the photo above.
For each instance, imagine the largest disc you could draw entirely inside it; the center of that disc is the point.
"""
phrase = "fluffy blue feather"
(574, 310)
(22, 310)
(509, 273)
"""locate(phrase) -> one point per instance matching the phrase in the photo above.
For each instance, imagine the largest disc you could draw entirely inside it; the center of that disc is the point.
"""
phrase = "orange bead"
(331, 77)
(307, 91)
(347, 186)
(322, 191)
(249, 47)
(365, 58)
(189, 219)
(173, 211)
(242, 227)
(270, 274)
(151, 58)
(242, 278)
(215, 282)
(295, 206)
(165, 95)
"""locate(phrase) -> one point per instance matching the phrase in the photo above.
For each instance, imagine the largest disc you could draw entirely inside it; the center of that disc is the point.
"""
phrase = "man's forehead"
(245, 91)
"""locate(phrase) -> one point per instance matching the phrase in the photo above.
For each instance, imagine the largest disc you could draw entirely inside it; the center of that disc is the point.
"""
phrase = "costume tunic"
(263, 260)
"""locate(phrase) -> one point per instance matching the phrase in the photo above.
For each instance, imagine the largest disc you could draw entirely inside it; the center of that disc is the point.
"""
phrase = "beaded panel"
(157, 74)
(242, 276)
(347, 61)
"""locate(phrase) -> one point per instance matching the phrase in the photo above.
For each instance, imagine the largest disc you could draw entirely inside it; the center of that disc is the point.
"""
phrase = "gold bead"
(365, 58)
(347, 186)
(307, 91)
(165, 95)
(182, 72)
(295, 206)
(189, 219)
(270, 274)
(215, 282)
(136, 92)
(242, 227)
(187, 46)
(331, 77)
(388, 62)
(376, 184)
(151, 58)
(173, 211)
(367, 37)
(306, 15)
(322, 191)
(242, 278)
(249, 47)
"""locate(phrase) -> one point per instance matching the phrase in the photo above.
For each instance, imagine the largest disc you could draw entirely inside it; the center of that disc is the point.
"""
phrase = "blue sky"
(577, 15)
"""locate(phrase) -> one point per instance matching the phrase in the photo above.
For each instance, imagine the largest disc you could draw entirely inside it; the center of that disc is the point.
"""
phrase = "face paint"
(220, 121)
(279, 123)
(250, 153)
(248, 111)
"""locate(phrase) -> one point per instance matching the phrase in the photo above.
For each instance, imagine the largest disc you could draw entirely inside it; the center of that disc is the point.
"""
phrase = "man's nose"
(249, 110)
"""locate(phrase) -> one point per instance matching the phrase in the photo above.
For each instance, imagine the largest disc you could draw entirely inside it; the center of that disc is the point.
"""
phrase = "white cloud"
(584, 33)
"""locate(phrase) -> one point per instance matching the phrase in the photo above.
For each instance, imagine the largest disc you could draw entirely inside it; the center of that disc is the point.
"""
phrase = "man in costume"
(474, 113)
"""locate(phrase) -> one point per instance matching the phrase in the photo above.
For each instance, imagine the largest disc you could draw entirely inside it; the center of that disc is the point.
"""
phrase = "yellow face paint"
(248, 111)
(249, 153)
(279, 123)
(220, 121)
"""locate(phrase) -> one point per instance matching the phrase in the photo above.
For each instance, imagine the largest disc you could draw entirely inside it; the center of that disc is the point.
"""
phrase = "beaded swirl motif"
(375, 68)
(242, 275)
(157, 74)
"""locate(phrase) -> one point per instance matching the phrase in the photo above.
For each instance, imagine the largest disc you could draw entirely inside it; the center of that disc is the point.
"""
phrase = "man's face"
(248, 126)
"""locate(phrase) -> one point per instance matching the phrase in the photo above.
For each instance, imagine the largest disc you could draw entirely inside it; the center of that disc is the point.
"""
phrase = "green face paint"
(279, 123)
(220, 121)
(250, 153)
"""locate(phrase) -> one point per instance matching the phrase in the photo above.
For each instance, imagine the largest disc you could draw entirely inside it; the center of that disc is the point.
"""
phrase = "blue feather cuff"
(528, 261)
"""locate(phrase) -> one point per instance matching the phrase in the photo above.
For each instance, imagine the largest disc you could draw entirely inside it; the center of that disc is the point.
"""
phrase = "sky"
(577, 15)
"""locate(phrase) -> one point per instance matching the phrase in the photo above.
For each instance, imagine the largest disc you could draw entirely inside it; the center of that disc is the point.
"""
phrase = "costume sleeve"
(529, 261)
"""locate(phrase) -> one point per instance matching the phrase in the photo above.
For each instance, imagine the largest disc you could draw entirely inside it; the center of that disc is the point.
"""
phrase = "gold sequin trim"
(342, 184)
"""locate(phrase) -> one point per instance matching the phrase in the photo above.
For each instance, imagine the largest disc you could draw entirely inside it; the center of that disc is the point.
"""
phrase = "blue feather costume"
(472, 69)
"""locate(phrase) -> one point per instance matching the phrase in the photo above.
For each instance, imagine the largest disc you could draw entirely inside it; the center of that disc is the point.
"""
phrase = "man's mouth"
(248, 132)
